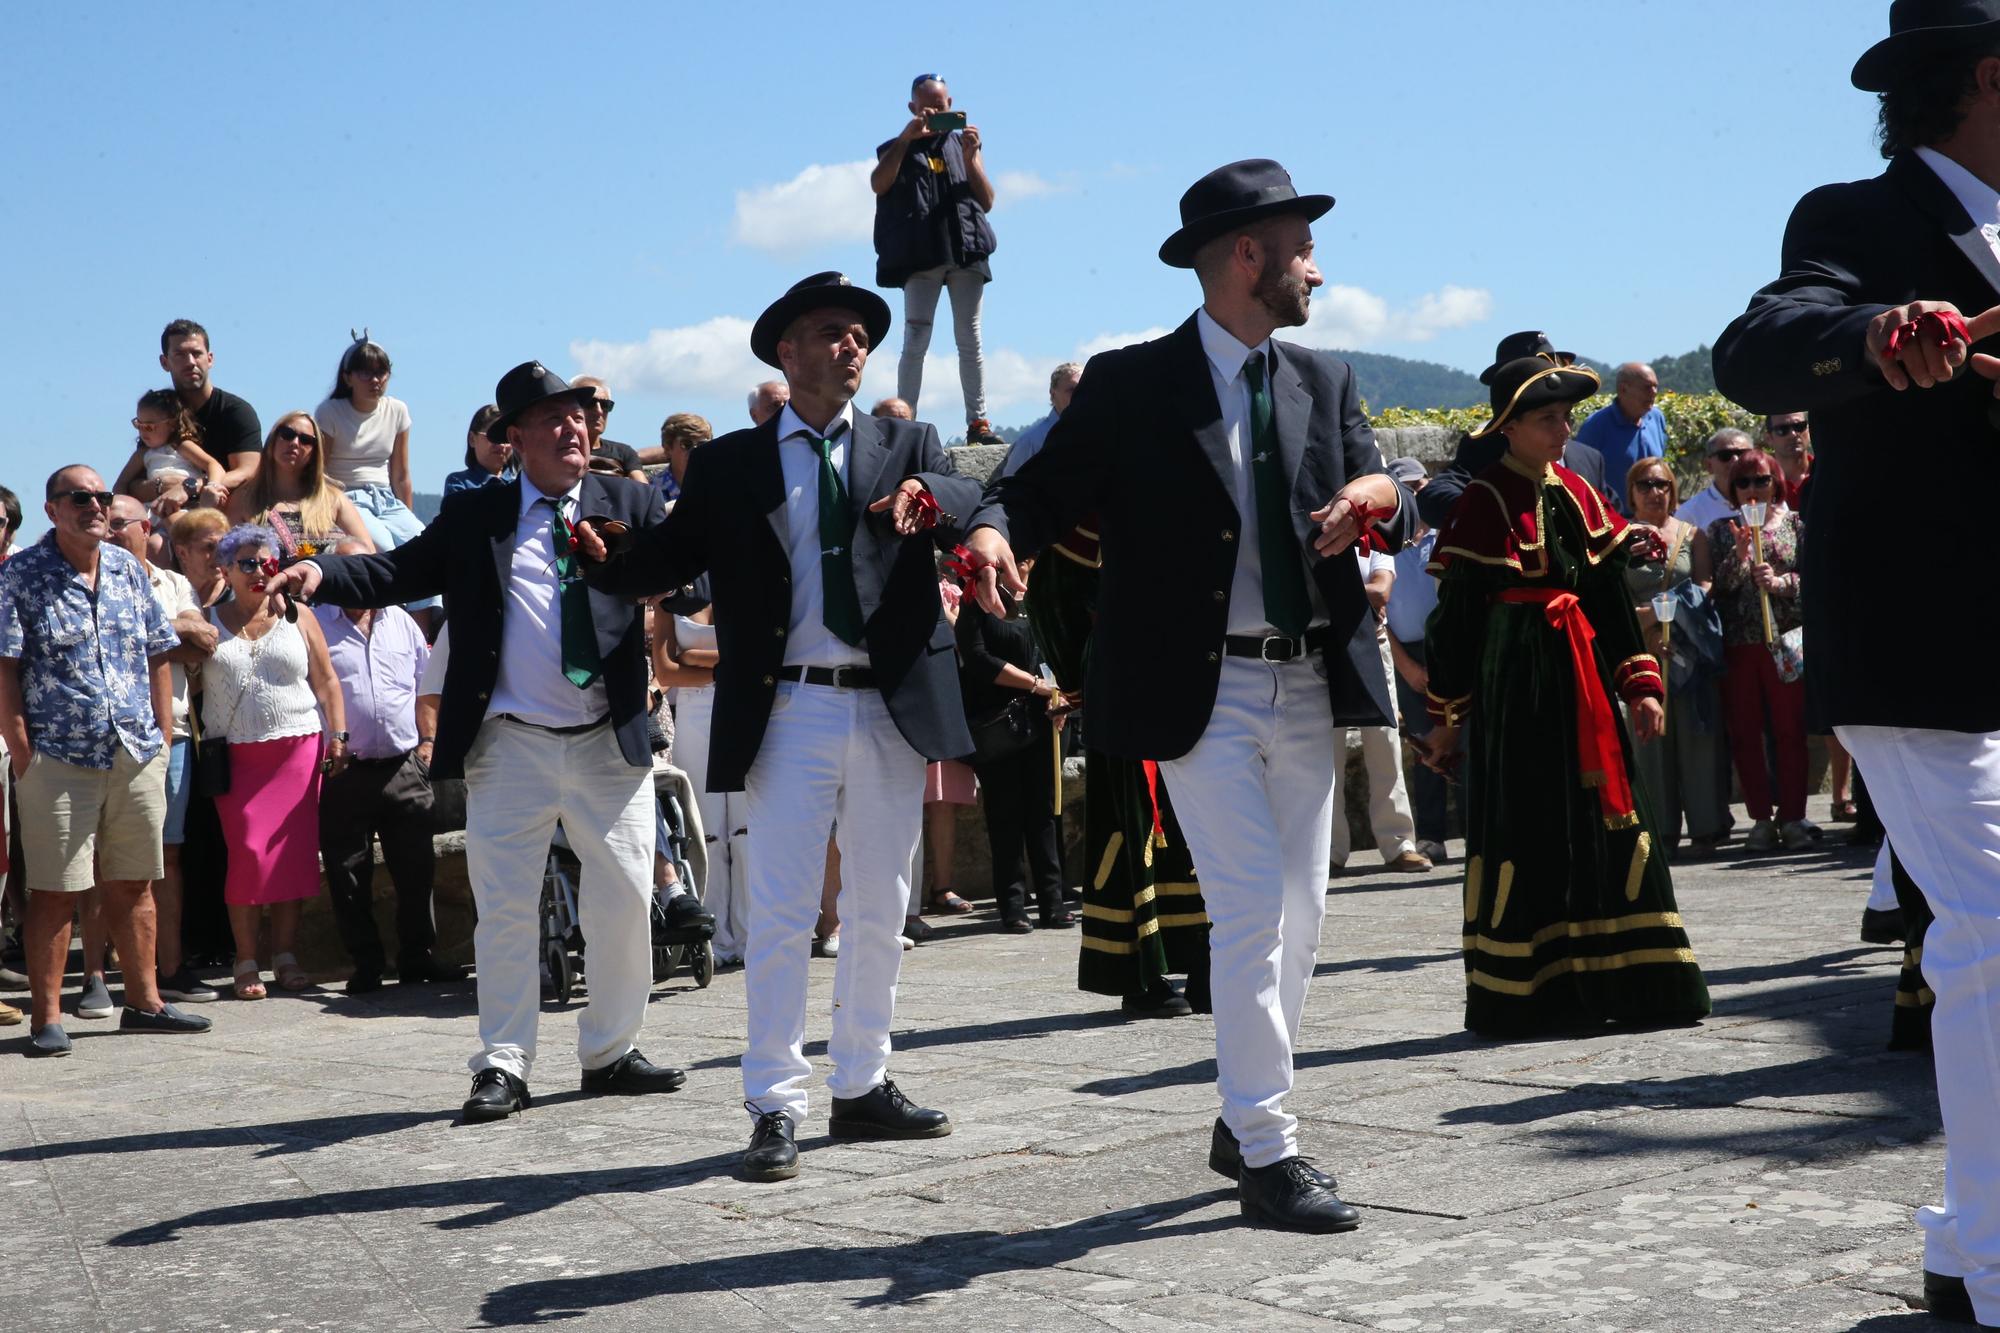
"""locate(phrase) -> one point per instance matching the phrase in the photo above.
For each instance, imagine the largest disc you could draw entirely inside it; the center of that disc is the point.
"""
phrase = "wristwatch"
(340, 736)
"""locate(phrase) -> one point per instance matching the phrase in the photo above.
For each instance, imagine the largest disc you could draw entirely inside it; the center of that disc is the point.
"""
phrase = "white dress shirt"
(531, 685)
(809, 642)
(1980, 200)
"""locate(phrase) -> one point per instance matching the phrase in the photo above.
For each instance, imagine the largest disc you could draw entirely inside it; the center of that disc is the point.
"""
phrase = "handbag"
(211, 759)
(1004, 734)
(1790, 652)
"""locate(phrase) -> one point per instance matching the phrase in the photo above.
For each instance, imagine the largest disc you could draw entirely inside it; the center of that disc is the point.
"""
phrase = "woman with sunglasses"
(270, 692)
(291, 495)
(1570, 920)
(1682, 769)
(1757, 697)
(485, 460)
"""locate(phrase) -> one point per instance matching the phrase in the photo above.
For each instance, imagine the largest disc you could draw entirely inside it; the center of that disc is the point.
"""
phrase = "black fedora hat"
(1530, 382)
(1517, 345)
(1232, 196)
(1925, 28)
(821, 289)
(521, 388)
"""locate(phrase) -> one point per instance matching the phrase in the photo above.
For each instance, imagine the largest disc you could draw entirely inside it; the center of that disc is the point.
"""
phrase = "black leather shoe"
(885, 1113)
(1884, 927)
(1225, 1158)
(772, 1155)
(365, 981)
(631, 1075)
(1158, 1000)
(427, 970)
(1288, 1194)
(685, 912)
(496, 1094)
(1946, 1298)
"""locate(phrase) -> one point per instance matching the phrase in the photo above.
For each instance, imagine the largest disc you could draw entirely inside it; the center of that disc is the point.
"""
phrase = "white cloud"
(712, 357)
(1013, 187)
(1353, 318)
(822, 205)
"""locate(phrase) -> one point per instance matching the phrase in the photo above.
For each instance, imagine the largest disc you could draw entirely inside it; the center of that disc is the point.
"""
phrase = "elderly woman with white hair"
(270, 693)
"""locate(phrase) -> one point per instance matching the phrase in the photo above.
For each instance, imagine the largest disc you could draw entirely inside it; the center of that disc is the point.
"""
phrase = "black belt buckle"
(1293, 647)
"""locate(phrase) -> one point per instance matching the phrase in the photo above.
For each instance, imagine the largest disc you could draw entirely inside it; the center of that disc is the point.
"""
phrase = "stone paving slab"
(301, 1167)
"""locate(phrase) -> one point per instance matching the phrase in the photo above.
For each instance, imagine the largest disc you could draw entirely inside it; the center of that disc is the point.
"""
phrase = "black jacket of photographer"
(729, 523)
(928, 218)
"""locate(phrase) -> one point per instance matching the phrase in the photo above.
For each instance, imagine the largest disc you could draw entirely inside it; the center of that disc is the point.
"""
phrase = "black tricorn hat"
(1530, 382)
(1233, 196)
(821, 289)
(1517, 345)
(521, 388)
(1924, 29)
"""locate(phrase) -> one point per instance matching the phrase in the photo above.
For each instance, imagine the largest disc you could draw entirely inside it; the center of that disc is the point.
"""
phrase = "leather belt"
(1277, 647)
(846, 678)
(576, 730)
(396, 758)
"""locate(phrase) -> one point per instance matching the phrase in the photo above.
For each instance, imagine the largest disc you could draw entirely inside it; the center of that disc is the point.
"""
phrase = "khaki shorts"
(73, 816)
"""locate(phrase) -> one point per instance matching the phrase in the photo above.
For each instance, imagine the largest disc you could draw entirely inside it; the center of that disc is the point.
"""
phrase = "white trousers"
(1255, 799)
(519, 781)
(725, 824)
(828, 754)
(1938, 793)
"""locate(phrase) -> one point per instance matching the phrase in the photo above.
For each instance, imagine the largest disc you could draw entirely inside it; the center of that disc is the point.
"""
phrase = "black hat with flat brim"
(1925, 30)
(1517, 345)
(1235, 196)
(1521, 386)
(521, 388)
(814, 293)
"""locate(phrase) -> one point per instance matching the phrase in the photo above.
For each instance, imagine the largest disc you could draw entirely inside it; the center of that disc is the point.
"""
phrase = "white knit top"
(256, 689)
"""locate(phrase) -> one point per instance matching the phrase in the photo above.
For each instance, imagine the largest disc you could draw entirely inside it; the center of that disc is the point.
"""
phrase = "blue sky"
(622, 187)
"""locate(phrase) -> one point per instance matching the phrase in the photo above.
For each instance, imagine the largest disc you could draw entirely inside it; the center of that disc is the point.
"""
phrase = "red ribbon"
(963, 565)
(928, 513)
(1371, 540)
(1943, 327)
(1597, 747)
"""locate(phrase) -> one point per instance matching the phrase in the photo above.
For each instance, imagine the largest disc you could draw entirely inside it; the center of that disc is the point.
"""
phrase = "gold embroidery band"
(1575, 930)
(1104, 866)
(1609, 963)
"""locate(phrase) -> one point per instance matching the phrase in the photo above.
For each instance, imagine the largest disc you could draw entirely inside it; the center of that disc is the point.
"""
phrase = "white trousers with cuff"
(1255, 799)
(829, 754)
(1938, 793)
(519, 782)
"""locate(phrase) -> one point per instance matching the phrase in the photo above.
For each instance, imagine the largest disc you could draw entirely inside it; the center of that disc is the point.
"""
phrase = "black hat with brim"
(1521, 386)
(1236, 196)
(521, 388)
(1517, 345)
(814, 293)
(1922, 30)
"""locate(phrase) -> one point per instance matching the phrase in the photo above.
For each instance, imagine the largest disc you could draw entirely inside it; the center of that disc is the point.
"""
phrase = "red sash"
(1598, 752)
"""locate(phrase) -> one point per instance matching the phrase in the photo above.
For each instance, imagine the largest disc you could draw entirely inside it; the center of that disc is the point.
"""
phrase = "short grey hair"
(244, 536)
(1069, 372)
(1727, 435)
(766, 390)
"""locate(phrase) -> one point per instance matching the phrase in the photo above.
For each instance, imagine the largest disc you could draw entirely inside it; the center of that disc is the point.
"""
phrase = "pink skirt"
(950, 782)
(270, 815)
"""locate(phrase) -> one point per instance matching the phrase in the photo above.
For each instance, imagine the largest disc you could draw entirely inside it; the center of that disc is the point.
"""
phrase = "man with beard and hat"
(1478, 452)
(544, 715)
(837, 682)
(1870, 326)
(1232, 475)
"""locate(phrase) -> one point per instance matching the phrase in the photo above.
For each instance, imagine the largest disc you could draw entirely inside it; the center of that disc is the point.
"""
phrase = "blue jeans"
(390, 523)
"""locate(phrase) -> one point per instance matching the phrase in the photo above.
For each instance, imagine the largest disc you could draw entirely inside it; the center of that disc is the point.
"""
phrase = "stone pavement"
(300, 1168)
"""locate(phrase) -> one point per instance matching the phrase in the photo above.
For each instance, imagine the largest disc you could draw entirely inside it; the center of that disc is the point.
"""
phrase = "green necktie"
(840, 607)
(581, 662)
(1286, 604)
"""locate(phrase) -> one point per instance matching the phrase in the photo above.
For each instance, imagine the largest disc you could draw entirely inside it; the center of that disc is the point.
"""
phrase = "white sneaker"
(907, 943)
(1763, 837)
(828, 947)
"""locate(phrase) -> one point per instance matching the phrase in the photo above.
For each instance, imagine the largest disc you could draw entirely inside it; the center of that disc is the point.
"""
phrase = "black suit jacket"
(729, 523)
(1142, 445)
(1435, 500)
(465, 555)
(1850, 252)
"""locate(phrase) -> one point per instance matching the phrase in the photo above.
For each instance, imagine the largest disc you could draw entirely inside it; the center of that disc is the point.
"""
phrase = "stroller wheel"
(702, 963)
(561, 972)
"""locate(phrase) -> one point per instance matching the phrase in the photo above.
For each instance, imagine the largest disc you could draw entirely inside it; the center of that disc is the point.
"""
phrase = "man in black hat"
(1232, 475)
(837, 683)
(1476, 453)
(544, 714)
(1866, 328)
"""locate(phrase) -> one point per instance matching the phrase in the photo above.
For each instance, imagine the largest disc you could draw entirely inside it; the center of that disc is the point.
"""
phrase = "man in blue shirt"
(86, 701)
(1628, 428)
(1411, 602)
(1062, 387)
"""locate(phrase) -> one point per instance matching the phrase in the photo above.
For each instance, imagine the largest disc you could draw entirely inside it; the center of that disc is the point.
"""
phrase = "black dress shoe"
(496, 1094)
(427, 970)
(684, 912)
(1288, 1194)
(1946, 1298)
(1885, 927)
(1225, 1158)
(772, 1155)
(631, 1075)
(1158, 1000)
(365, 981)
(885, 1113)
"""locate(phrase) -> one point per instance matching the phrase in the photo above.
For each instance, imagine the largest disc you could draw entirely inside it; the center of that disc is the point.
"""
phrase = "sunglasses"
(292, 436)
(82, 499)
(1787, 428)
(604, 403)
(140, 423)
(251, 564)
(1753, 483)
(1729, 455)
(1652, 484)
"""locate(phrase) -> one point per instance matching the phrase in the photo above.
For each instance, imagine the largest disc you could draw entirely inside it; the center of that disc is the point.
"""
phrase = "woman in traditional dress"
(1570, 920)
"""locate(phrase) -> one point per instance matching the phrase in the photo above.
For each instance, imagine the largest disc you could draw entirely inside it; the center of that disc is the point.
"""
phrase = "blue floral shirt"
(84, 682)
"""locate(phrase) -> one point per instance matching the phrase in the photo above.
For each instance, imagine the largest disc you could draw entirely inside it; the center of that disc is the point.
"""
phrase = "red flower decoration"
(1942, 327)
